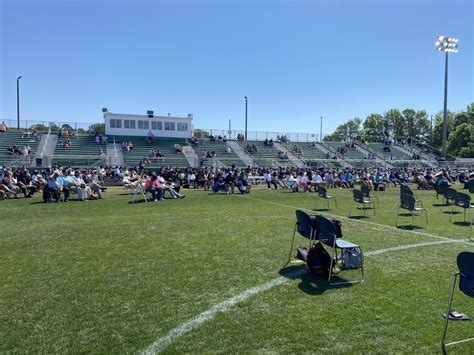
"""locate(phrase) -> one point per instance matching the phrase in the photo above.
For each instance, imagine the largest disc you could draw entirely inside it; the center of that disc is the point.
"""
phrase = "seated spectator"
(154, 186)
(3, 127)
(177, 148)
(83, 191)
(227, 149)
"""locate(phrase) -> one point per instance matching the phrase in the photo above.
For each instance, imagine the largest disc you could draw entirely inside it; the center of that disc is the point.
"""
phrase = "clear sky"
(295, 60)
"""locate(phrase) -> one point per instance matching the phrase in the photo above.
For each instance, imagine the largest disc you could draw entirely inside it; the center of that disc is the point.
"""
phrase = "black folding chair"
(408, 202)
(323, 194)
(351, 256)
(404, 189)
(440, 189)
(464, 201)
(305, 226)
(449, 195)
(358, 197)
(465, 261)
(366, 191)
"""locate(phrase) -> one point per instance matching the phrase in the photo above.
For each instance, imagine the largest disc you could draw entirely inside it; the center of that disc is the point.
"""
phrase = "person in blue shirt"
(54, 186)
(66, 182)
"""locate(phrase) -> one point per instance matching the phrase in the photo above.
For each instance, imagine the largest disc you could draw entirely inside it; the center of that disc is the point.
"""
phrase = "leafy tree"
(394, 124)
(351, 128)
(199, 133)
(373, 127)
(461, 141)
(98, 128)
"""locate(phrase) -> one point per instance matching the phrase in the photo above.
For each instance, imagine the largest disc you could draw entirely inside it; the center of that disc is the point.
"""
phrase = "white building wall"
(110, 131)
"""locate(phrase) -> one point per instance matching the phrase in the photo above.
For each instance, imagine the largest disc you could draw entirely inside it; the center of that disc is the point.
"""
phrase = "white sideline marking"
(161, 343)
(464, 241)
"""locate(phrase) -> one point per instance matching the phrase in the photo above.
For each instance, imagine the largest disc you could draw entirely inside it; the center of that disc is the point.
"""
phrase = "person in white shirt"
(83, 191)
(302, 181)
(191, 179)
(316, 181)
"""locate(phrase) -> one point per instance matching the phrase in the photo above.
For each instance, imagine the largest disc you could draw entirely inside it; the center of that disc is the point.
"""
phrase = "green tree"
(351, 128)
(394, 124)
(98, 128)
(461, 141)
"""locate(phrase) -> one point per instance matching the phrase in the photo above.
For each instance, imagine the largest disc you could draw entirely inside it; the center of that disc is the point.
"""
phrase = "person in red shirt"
(154, 186)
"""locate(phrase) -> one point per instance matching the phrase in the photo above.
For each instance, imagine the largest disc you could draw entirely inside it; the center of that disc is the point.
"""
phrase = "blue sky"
(295, 60)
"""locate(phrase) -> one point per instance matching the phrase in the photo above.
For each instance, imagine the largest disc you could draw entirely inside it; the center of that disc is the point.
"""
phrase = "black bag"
(337, 224)
(301, 253)
(318, 259)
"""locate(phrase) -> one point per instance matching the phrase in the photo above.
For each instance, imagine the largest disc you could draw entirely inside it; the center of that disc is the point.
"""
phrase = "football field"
(209, 274)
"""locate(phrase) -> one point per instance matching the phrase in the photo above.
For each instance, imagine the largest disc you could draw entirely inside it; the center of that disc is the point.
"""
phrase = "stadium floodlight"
(448, 45)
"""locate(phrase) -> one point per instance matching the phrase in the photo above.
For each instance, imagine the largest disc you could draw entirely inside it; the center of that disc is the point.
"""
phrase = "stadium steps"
(294, 159)
(222, 159)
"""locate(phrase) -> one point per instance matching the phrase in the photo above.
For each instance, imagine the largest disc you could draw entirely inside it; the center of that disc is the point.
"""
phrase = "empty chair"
(404, 189)
(465, 261)
(323, 194)
(449, 195)
(464, 201)
(358, 197)
(440, 189)
(408, 202)
(350, 256)
(305, 227)
(366, 191)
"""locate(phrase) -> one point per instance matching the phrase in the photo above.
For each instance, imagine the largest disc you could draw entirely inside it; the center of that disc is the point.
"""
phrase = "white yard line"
(161, 343)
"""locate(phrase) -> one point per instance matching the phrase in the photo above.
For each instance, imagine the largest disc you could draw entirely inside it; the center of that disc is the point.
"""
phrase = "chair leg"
(350, 208)
(451, 216)
(450, 301)
(412, 218)
(374, 207)
(292, 243)
(335, 201)
(426, 218)
(398, 213)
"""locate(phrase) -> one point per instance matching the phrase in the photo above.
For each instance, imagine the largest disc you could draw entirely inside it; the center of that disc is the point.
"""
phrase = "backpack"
(318, 259)
(337, 224)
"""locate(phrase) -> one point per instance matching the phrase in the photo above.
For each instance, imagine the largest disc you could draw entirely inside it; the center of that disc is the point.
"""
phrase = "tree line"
(413, 127)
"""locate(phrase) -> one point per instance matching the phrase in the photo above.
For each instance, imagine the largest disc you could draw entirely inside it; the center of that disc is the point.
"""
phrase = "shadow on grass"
(449, 212)
(358, 217)
(462, 223)
(409, 227)
(438, 205)
(138, 201)
(311, 284)
(321, 209)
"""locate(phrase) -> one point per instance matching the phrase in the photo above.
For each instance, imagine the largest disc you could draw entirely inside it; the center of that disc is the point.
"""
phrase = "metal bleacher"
(141, 150)
(224, 159)
(84, 151)
(14, 137)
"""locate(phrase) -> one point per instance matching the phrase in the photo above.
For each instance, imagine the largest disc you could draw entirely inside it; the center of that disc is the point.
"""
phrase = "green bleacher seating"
(14, 137)
(225, 159)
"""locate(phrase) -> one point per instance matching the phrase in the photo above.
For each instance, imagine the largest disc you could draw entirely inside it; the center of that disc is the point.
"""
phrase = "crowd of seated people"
(208, 155)
(15, 149)
(156, 154)
(251, 148)
(240, 137)
(268, 142)
(386, 145)
(194, 142)
(30, 134)
(150, 139)
(219, 138)
(283, 139)
(282, 155)
(127, 146)
(56, 185)
(67, 132)
(297, 150)
(66, 143)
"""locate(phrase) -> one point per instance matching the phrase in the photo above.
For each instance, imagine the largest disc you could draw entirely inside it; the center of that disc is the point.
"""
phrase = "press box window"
(115, 123)
(169, 126)
(157, 125)
(143, 125)
(182, 126)
(129, 124)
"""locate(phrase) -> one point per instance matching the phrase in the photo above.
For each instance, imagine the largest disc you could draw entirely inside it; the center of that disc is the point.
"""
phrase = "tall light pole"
(321, 130)
(447, 45)
(18, 101)
(246, 102)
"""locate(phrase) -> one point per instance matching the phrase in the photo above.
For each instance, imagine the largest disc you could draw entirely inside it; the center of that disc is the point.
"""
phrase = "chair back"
(462, 200)
(441, 188)
(322, 192)
(407, 202)
(305, 224)
(327, 232)
(405, 190)
(470, 186)
(449, 193)
(358, 196)
(466, 272)
(365, 190)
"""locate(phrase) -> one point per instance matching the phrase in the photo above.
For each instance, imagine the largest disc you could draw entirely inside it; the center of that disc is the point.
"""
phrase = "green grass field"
(111, 277)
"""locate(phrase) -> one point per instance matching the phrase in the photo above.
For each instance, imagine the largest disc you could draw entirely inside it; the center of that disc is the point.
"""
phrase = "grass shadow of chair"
(462, 223)
(312, 284)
